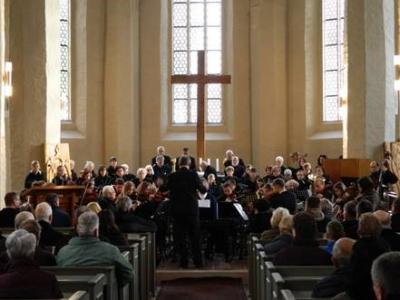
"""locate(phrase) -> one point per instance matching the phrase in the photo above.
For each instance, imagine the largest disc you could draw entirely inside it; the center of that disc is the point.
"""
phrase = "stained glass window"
(65, 60)
(333, 13)
(196, 25)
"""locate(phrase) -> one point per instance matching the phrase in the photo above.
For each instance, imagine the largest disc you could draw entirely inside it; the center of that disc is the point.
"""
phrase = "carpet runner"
(202, 289)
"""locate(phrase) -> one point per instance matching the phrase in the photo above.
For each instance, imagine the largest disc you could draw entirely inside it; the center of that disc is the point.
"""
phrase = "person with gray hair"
(161, 168)
(127, 221)
(335, 283)
(88, 250)
(49, 237)
(108, 198)
(161, 151)
(385, 275)
(23, 277)
(22, 217)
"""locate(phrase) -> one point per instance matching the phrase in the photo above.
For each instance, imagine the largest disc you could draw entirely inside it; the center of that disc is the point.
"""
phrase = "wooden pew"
(289, 295)
(305, 271)
(294, 283)
(133, 250)
(92, 284)
(111, 285)
(79, 295)
(143, 264)
(66, 230)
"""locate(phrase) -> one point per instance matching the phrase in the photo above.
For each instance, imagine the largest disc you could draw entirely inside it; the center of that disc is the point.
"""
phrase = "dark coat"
(210, 170)
(50, 237)
(350, 229)
(303, 253)
(192, 163)
(25, 279)
(333, 284)
(167, 160)
(41, 258)
(60, 217)
(285, 199)
(392, 238)
(395, 221)
(101, 181)
(114, 237)
(365, 250)
(32, 177)
(279, 243)
(7, 216)
(106, 203)
(183, 186)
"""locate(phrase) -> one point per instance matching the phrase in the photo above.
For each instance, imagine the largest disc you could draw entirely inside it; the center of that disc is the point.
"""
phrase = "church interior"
(200, 149)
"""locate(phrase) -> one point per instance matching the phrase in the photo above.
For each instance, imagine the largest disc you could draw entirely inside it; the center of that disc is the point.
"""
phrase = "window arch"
(196, 25)
(333, 20)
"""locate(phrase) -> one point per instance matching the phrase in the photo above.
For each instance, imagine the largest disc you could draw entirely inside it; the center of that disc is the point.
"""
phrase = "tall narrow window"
(333, 57)
(65, 60)
(196, 25)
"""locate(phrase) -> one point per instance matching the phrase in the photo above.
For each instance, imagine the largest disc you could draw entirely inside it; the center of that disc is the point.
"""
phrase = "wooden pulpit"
(69, 195)
(338, 169)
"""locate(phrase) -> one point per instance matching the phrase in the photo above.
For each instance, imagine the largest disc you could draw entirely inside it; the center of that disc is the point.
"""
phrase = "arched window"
(333, 13)
(65, 58)
(196, 25)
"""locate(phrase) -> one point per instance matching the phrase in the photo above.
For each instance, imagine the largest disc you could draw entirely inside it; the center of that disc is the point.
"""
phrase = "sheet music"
(204, 203)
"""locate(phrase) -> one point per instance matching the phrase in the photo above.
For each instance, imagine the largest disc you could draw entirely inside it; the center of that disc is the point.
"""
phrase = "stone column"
(268, 80)
(371, 106)
(121, 88)
(34, 119)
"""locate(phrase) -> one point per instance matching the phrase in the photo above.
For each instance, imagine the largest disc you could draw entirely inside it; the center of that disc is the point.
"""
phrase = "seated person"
(386, 277)
(229, 194)
(336, 283)
(284, 239)
(41, 257)
(334, 231)
(239, 169)
(102, 179)
(88, 250)
(214, 188)
(275, 174)
(276, 218)
(395, 219)
(112, 166)
(108, 230)
(61, 177)
(107, 200)
(367, 192)
(211, 213)
(49, 236)
(35, 175)
(60, 217)
(94, 207)
(365, 251)
(304, 182)
(321, 190)
(21, 217)
(305, 250)
(388, 234)
(74, 176)
(350, 223)
(207, 169)
(287, 175)
(119, 175)
(249, 180)
(293, 186)
(127, 221)
(229, 170)
(161, 151)
(161, 169)
(260, 219)
(128, 176)
(23, 277)
(313, 207)
(229, 157)
(283, 198)
(7, 214)
(279, 162)
(364, 206)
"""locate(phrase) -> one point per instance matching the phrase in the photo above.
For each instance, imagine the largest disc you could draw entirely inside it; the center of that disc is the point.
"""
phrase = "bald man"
(336, 282)
(388, 234)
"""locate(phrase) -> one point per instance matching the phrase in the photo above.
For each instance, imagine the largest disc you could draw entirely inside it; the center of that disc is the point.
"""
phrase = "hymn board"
(201, 79)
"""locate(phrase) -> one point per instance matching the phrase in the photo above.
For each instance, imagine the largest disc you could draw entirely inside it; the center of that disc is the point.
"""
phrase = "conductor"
(183, 186)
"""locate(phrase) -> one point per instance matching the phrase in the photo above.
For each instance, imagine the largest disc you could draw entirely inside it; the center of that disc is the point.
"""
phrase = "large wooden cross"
(201, 79)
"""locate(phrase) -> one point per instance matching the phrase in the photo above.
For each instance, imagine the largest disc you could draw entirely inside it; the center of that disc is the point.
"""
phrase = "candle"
(208, 161)
(200, 160)
(217, 164)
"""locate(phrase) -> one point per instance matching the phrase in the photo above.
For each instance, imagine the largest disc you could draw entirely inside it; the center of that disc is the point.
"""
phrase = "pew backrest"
(93, 284)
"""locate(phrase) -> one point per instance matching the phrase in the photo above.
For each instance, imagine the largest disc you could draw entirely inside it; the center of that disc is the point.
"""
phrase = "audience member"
(388, 234)
(284, 239)
(385, 275)
(334, 231)
(313, 207)
(365, 250)
(350, 223)
(7, 214)
(395, 219)
(336, 283)
(94, 207)
(107, 200)
(260, 219)
(276, 218)
(23, 277)
(88, 250)
(49, 236)
(305, 249)
(367, 191)
(60, 217)
(364, 206)
(108, 230)
(22, 217)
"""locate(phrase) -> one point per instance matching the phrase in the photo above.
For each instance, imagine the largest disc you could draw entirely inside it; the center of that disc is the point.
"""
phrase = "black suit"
(285, 199)
(184, 207)
(50, 237)
(7, 216)
(192, 162)
(167, 160)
